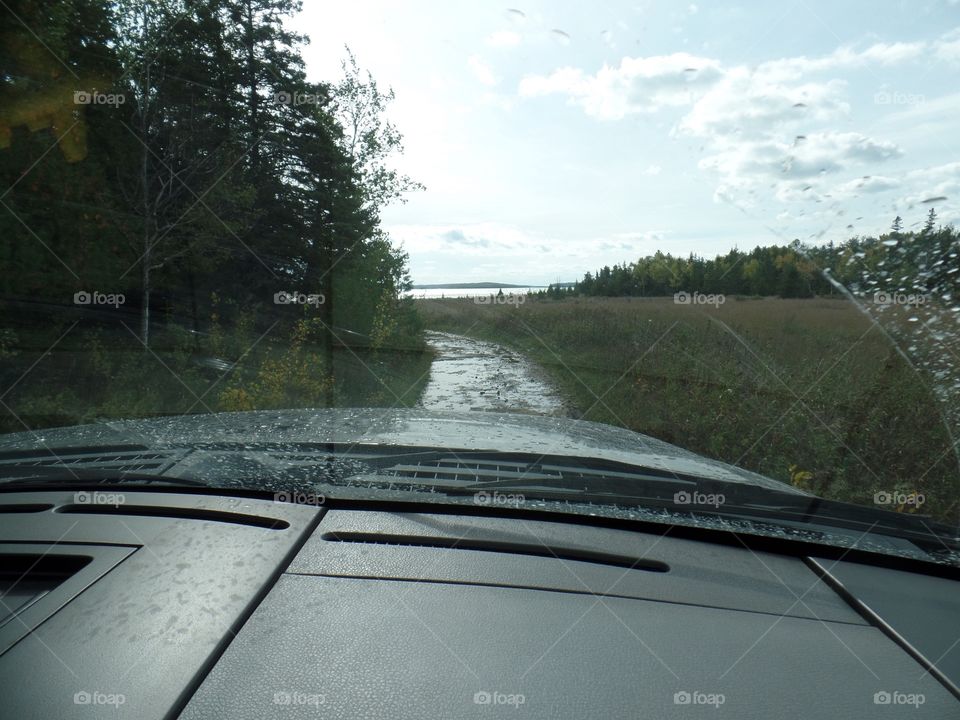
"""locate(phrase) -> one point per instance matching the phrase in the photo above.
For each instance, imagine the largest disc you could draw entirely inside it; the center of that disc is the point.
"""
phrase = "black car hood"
(501, 432)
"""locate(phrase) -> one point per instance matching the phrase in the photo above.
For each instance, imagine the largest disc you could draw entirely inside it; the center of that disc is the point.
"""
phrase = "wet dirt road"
(470, 374)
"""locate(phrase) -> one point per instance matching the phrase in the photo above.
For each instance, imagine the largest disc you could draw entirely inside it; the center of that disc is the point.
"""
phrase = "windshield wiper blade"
(65, 475)
(739, 501)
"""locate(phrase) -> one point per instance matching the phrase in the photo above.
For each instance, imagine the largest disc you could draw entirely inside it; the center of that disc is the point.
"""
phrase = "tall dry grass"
(805, 391)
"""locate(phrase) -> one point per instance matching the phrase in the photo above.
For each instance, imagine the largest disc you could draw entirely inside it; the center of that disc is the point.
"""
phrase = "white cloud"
(747, 169)
(949, 51)
(768, 130)
(773, 89)
(933, 182)
(504, 38)
(471, 239)
(744, 103)
(482, 71)
(865, 184)
(637, 85)
(831, 151)
(652, 170)
(843, 58)
(648, 84)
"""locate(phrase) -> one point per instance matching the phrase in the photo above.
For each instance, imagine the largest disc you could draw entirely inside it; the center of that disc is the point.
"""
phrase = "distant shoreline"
(472, 286)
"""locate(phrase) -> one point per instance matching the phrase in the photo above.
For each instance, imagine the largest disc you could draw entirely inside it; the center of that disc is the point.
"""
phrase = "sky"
(554, 138)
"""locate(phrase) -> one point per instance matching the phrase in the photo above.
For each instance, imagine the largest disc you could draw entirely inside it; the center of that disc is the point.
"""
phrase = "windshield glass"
(729, 228)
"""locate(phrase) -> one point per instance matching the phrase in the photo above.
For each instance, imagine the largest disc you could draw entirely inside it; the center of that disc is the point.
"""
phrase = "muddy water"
(470, 374)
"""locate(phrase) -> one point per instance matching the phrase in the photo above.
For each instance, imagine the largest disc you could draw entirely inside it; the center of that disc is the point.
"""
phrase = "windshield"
(729, 228)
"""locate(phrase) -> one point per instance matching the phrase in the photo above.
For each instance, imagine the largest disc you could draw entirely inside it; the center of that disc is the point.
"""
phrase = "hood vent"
(123, 459)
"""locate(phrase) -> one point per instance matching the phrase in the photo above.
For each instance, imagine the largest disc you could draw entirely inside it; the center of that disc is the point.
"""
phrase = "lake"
(449, 292)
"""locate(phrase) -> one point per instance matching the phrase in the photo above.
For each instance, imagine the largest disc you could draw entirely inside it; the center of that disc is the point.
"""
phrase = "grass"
(105, 373)
(805, 391)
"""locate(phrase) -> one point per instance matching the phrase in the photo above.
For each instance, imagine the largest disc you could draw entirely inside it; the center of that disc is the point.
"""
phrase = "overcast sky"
(555, 138)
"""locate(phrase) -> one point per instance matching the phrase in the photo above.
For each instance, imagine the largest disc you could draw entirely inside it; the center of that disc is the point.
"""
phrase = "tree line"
(914, 262)
(176, 154)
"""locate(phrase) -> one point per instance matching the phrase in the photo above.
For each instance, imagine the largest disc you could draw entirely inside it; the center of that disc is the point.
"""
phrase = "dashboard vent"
(24, 507)
(25, 578)
(178, 513)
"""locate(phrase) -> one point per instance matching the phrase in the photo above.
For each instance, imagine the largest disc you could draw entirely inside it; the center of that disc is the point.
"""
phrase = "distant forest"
(921, 262)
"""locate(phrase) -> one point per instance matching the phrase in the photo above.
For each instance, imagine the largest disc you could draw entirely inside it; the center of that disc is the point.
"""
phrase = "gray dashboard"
(204, 607)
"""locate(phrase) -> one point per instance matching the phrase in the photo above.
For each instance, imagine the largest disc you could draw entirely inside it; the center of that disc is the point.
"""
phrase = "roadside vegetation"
(189, 223)
(844, 397)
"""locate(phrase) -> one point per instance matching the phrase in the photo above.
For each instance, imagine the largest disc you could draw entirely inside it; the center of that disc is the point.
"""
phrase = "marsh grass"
(805, 391)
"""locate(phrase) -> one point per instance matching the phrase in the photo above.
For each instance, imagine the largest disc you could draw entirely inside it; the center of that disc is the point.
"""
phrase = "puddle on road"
(470, 374)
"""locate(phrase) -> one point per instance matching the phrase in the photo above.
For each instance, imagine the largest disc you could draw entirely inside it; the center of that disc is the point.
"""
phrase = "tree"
(930, 223)
(368, 137)
(181, 178)
(58, 218)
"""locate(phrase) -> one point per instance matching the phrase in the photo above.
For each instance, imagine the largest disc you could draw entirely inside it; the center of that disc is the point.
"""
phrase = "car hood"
(500, 432)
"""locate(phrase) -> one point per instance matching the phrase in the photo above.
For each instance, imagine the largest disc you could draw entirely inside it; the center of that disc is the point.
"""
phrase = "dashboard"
(200, 606)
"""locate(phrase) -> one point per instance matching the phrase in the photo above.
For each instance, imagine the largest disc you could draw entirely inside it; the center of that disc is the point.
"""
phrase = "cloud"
(764, 128)
(772, 90)
(843, 58)
(865, 184)
(504, 38)
(482, 71)
(477, 238)
(949, 51)
(771, 131)
(649, 84)
(937, 181)
(744, 103)
(458, 238)
(744, 169)
(637, 85)
(488, 251)
(652, 170)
